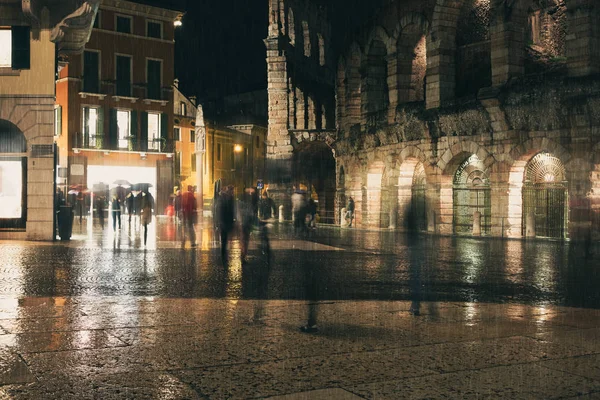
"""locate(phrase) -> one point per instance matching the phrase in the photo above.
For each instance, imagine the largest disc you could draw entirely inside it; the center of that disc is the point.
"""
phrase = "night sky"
(220, 48)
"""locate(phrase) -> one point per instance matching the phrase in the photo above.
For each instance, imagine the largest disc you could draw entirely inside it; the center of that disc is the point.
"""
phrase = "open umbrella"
(123, 183)
(141, 186)
(100, 187)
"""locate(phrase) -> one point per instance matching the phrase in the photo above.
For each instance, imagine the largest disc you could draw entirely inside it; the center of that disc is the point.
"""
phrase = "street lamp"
(238, 148)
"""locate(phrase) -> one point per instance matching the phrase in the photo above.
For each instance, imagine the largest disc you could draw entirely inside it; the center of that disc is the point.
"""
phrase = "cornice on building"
(141, 10)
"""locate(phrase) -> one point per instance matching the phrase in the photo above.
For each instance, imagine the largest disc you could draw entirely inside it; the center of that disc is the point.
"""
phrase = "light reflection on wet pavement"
(103, 316)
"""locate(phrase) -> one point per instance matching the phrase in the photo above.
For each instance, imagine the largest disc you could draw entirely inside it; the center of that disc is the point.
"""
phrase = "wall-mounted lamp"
(178, 21)
(237, 148)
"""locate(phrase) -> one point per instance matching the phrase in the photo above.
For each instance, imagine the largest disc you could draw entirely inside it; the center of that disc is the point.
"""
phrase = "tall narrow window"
(182, 108)
(306, 37)
(154, 29)
(177, 134)
(321, 49)
(5, 47)
(91, 72)
(193, 162)
(218, 151)
(97, 20)
(192, 136)
(123, 24)
(153, 131)
(57, 121)
(124, 128)
(90, 127)
(153, 69)
(123, 76)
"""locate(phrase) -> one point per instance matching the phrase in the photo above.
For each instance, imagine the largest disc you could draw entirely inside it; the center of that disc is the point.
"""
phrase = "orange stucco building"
(114, 102)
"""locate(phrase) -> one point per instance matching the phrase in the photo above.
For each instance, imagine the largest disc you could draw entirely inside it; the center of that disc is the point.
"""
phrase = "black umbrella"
(122, 182)
(141, 186)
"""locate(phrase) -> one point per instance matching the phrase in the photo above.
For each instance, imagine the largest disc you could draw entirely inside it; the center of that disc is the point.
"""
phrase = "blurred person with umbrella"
(147, 205)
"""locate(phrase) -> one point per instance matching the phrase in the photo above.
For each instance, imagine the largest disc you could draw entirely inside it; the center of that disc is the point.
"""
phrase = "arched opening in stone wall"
(594, 193)
(314, 171)
(545, 200)
(471, 196)
(291, 27)
(321, 43)
(408, 196)
(353, 88)
(306, 41)
(546, 35)
(375, 87)
(412, 63)
(473, 48)
(371, 195)
(13, 176)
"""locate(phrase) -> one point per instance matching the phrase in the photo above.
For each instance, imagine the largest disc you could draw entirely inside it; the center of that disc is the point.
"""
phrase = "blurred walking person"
(225, 213)
(299, 211)
(248, 209)
(146, 204)
(266, 207)
(189, 215)
(115, 207)
(350, 211)
(129, 201)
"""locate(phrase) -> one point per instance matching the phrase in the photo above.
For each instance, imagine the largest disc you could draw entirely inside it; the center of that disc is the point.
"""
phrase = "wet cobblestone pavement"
(103, 316)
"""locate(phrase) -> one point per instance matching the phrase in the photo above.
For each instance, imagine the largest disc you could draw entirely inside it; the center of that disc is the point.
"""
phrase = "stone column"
(279, 147)
(583, 39)
(508, 48)
(392, 83)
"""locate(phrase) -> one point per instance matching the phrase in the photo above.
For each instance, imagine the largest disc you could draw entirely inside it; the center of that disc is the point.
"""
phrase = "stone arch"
(353, 87)
(13, 176)
(306, 39)
(375, 90)
(594, 191)
(521, 155)
(371, 193)
(380, 34)
(411, 58)
(441, 53)
(291, 26)
(464, 146)
(473, 48)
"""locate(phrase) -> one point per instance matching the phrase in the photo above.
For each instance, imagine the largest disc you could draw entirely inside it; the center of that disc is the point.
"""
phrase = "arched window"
(13, 177)
(291, 30)
(321, 49)
(376, 95)
(306, 35)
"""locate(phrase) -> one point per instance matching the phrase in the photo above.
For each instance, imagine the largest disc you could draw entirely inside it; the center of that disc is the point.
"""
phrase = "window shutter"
(21, 47)
(58, 121)
(133, 131)
(144, 133)
(113, 134)
(85, 128)
(100, 123)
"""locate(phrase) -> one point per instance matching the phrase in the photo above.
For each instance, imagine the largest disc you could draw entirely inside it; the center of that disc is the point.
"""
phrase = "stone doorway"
(471, 193)
(545, 200)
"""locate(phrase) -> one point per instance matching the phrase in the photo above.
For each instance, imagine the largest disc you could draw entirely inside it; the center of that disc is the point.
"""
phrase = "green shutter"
(58, 120)
(113, 134)
(100, 122)
(85, 129)
(133, 131)
(21, 47)
(144, 133)
(164, 132)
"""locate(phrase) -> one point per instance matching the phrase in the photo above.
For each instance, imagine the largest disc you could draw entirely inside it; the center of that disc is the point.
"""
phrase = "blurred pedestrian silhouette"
(189, 212)
(100, 201)
(147, 204)
(115, 207)
(313, 279)
(266, 206)
(178, 216)
(415, 258)
(299, 211)
(312, 213)
(248, 210)
(129, 200)
(225, 217)
(350, 211)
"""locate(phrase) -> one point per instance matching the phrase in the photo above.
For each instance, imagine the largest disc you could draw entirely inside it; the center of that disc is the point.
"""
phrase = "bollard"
(343, 217)
(530, 225)
(280, 213)
(477, 223)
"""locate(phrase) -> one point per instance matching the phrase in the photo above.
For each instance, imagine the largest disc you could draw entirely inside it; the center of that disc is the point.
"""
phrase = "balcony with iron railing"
(125, 144)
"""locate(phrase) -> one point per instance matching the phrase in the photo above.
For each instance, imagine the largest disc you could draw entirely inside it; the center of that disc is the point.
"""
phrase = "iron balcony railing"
(129, 143)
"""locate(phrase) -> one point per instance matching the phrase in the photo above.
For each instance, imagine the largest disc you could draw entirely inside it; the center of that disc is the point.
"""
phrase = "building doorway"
(471, 193)
(13, 177)
(545, 202)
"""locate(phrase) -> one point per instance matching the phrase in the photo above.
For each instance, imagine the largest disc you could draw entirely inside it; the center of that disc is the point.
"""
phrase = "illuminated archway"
(470, 194)
(545, 200)
(371, 196)
(13, 176)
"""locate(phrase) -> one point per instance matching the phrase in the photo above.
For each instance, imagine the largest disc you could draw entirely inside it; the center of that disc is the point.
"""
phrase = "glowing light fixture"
(178, 22)
(237, 148)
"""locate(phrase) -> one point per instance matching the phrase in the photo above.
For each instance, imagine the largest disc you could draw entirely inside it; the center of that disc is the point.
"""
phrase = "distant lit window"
(57, 121)
(177, 134)
(5, 47)
(153, 131)
(218, 151)
(182, 108)
(90, 126)
(124, 128)
(192, 136)
(123, 24)
(154, 29)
